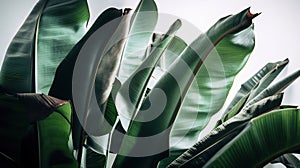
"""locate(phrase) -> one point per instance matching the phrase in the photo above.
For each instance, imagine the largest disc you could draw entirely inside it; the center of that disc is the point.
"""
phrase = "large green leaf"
(19, 141)
(143, 23)
(265, 138)
(203, 150)
(174, 85)
(132, 92)
(252, 87)
(45, 38)
(217, 136)
(210, 89)
(95, 45)
(87, 74)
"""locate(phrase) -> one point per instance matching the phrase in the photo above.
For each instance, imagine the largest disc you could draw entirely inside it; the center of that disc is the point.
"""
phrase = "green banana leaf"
(210, 89)
(231, 124)
(253, 86)
(159, 44)
(19, 139)
(255, 145)
(181, 77)
(131, 93)
(101, 47)
(275, 88)
(143, 23)
(47, 35)
(203, 150)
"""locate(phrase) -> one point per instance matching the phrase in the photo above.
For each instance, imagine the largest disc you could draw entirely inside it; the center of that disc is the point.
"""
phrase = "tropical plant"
(70, 98)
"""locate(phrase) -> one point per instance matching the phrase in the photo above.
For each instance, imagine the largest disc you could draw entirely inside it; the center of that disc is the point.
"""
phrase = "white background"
(276, 29)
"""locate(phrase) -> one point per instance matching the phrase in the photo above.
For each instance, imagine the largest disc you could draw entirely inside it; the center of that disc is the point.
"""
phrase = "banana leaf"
(131, 93)
(142, 23)
(47, 35)
(20, 139)
(203, 150)
(151, 121)
(210, 89)
(231, 124)
(255, 145)
(134, 89)
(99, 53)
(253, 86)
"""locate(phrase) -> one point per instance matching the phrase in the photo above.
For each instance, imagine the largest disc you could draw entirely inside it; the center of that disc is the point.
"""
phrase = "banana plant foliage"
(39, 133)
(50, 31)
(257, 140)
(181, 78)
(256, 83)
(202, 151)
(210, 89)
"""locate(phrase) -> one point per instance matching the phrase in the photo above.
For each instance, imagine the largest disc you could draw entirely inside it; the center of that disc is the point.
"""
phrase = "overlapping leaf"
(207, 146)
(143, 23)
(181, 78)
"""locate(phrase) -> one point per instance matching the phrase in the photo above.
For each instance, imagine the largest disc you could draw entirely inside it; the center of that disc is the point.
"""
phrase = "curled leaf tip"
(251, 15)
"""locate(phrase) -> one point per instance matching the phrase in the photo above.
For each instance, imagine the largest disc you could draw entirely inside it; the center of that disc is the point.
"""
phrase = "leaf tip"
(251, 15)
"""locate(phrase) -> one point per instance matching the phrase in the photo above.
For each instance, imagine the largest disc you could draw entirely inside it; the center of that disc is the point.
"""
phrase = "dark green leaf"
(19, 139)
(53, 135)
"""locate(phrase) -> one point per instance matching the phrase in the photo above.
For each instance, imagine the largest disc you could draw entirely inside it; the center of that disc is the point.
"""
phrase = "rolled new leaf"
(43, 41)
